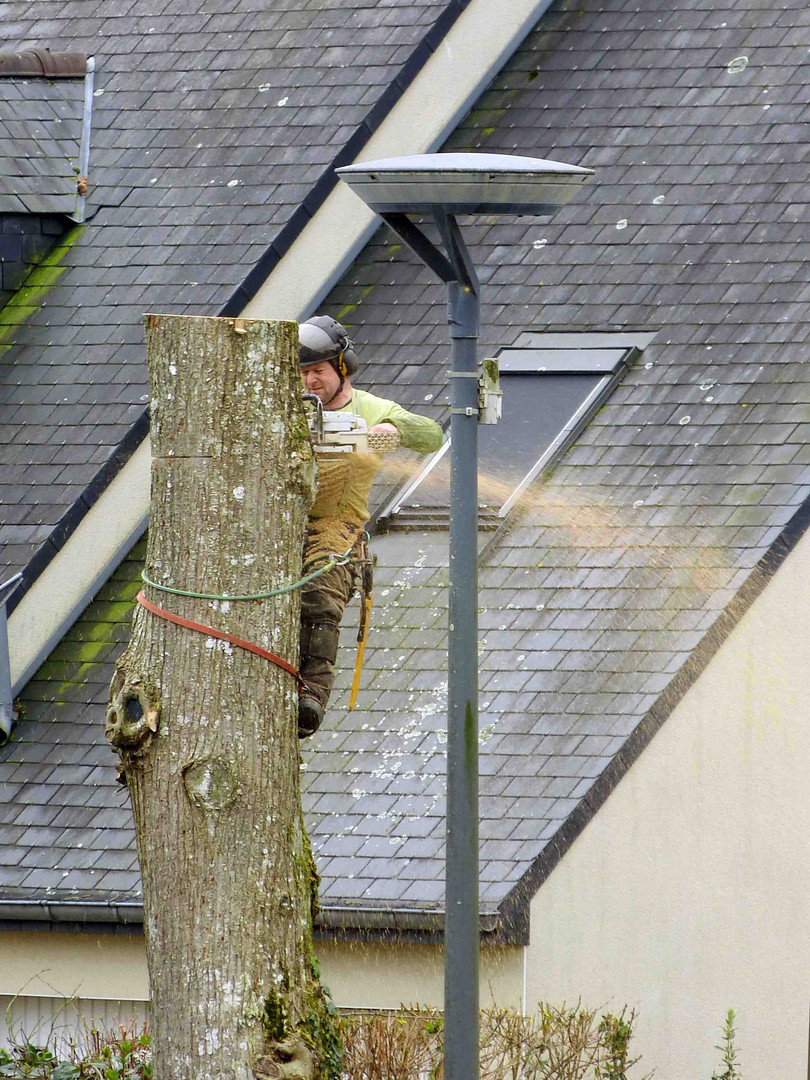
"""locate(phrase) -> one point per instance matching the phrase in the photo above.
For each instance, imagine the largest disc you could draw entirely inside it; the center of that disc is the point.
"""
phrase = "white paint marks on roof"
(738, 64)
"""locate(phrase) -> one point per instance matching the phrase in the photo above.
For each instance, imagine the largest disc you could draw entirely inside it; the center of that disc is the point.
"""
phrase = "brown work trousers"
(322, 604)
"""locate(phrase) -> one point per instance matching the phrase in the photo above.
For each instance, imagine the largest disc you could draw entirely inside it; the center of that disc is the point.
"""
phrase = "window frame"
(608, 354)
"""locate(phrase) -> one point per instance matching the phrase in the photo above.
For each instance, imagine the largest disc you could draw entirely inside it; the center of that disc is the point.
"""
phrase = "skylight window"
(552, 386)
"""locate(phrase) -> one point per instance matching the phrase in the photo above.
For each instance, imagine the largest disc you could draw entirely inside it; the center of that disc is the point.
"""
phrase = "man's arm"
(416, 432)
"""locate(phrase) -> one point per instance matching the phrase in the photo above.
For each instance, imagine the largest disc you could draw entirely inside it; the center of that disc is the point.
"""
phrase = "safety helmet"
(322, 338)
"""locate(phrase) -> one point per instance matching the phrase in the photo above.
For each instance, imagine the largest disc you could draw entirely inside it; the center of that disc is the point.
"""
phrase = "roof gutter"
(122, 912)
(335, 922)
(367, 919)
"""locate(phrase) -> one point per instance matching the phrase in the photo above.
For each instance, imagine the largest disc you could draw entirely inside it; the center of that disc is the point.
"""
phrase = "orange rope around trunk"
(211, 632)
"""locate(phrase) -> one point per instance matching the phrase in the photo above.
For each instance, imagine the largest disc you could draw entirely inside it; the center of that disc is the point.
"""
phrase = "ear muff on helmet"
(324, 339)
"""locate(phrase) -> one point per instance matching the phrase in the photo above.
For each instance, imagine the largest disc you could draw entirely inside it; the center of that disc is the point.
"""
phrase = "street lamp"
(442, 186)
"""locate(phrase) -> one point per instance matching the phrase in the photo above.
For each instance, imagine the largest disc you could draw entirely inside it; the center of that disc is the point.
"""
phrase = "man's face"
(321, 379)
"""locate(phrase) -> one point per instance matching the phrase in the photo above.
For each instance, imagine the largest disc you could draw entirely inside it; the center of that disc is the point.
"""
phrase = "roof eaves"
(516, 903)
(52, 909)
(415, 922)
(333, 922)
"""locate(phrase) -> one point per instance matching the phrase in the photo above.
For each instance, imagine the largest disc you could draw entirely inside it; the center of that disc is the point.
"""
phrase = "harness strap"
(209, 631)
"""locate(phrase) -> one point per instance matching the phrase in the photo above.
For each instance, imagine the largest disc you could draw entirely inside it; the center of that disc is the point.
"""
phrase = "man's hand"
(383, 438)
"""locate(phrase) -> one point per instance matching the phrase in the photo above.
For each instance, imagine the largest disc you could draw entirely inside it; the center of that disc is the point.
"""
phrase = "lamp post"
(442, 186)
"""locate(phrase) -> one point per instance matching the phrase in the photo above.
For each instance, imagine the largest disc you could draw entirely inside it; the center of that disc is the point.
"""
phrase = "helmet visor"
(316, 346)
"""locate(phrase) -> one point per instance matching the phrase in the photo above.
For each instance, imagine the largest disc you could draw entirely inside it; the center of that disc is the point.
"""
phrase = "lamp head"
(464, 184)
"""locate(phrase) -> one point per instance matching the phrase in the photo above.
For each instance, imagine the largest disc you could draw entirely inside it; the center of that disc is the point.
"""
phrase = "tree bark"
(206, 731)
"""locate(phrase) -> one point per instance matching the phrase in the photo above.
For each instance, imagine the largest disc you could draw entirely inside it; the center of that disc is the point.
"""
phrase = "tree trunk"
(207, 730)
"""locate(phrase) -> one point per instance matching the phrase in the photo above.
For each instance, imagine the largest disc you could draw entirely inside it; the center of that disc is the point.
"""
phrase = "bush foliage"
(557, 1043)
(114, 1054)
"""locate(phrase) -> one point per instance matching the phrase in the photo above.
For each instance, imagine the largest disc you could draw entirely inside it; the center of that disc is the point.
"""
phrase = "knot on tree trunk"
(210, 784)
(290, 1059)
(133, 711)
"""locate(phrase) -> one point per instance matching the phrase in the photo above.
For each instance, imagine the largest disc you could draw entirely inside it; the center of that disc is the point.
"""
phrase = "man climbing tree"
(203, 706)
(340, 512)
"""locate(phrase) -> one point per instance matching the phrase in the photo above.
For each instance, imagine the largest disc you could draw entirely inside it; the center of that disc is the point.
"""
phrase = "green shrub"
(728, 1050)
(113, 1054)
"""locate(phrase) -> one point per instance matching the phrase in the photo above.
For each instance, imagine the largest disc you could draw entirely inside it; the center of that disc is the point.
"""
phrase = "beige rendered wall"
(386, 976)
(67, 965)
(689, 892)
(112, 968)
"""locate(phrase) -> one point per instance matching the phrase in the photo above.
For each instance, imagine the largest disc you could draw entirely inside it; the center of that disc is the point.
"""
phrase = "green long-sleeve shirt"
(344, 483)
(415, 432)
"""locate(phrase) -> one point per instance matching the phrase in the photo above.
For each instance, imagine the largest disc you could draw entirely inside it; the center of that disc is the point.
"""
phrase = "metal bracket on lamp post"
(444, 185)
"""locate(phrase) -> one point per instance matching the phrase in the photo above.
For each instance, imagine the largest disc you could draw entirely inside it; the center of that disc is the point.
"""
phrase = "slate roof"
(603, 597)
(214, 129)
(66, 823)
(40, 135)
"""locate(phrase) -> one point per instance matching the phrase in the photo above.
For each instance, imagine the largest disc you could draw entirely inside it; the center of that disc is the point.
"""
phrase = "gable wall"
(686, 895)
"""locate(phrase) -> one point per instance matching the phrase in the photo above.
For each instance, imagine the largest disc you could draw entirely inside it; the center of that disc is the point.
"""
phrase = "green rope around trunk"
(334, 560)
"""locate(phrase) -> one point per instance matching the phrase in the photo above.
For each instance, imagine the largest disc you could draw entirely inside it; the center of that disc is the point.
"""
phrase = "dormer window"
(552, 385)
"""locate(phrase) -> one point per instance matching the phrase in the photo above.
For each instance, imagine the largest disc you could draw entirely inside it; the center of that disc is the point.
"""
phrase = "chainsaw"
(345, 433)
